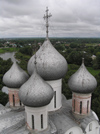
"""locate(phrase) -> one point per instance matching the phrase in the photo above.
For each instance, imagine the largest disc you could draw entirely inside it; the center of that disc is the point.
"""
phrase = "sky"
(70, 18)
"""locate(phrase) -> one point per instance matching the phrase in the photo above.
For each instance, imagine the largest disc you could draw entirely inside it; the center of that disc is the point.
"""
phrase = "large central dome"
(51, 65)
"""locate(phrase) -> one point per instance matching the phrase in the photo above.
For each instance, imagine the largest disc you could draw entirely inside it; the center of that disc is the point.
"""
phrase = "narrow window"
(87, 106)
(74, 105)
(20, 103)
(32, 121)
(41, 120)
(80, 107)
(55, 99)
(13, 100)
(90, 127)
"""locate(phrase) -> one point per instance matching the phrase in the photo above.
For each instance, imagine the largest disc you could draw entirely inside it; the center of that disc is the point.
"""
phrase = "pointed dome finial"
(83, 60)
(35, 61)
(35, 68)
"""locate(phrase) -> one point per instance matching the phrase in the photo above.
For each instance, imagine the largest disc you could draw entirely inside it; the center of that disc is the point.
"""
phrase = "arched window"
(71, 133)
(13, 100)
(20, 103)
(80, 107)
(87, 106)
(90, 127)
(55, 99)
(41, 120)
(74, 105)
(32, 121)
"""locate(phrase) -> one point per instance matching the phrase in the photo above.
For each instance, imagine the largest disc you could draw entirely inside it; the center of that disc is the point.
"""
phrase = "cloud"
(70, 18)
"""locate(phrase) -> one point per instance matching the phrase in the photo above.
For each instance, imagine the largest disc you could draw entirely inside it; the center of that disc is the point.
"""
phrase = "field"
(4, 50)
(91, 44)
(92, 71)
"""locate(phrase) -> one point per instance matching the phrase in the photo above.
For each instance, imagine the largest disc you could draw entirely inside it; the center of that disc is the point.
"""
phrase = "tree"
(26, 50)
(73, 45)
(3, 98)
(98, 59)
(75, 57)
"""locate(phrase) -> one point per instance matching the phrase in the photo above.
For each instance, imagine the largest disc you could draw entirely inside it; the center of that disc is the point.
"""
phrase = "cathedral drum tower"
(36, 94)
(51, 66)
(82, 84)
(13, 79)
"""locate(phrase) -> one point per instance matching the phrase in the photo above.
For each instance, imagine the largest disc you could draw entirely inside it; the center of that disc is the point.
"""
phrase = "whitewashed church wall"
(57, 87)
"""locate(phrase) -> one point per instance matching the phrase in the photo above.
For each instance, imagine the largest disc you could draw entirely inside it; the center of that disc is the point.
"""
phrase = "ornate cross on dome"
(47, 25)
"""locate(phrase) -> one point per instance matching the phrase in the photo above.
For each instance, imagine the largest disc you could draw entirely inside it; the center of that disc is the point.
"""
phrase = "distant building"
(13, 44)
(93, 57)
(67, 45)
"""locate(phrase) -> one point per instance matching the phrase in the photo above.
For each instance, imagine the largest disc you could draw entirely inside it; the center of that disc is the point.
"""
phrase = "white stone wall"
(94, 128)
(37, 117)
(57, 86)
(78, 130)
(74, 130)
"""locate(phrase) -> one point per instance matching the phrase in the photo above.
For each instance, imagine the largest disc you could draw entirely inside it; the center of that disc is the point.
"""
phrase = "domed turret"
(82, 81)
(15, 76)
(13, 79)
(51, 65)
(82, 84)
(35, 92)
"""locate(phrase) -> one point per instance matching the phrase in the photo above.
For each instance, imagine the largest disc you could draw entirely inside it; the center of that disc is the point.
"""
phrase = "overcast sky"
(70, 18)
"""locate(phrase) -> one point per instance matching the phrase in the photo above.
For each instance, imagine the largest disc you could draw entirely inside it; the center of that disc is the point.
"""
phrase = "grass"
(91, 44)
(93, 72)
(90, 69)
(11, 49)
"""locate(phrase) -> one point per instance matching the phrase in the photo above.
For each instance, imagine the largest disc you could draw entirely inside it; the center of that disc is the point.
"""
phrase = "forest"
(73, 49)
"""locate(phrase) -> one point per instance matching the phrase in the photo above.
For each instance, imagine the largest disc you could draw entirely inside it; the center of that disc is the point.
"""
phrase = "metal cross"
(47, 25)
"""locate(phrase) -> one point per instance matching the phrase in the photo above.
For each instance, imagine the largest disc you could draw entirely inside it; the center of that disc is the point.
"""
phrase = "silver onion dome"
(51, 65)
(82, 81)
(35, 92)
(15, 76)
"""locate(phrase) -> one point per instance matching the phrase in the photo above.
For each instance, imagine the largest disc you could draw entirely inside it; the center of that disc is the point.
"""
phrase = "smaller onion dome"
(15, 76)
(35, 92)
(51, 65)
(82, 81)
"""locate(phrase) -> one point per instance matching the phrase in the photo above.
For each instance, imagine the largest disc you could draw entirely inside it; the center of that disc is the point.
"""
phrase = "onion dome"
(35, 92)
(15, 76)
(82, 81)
(51, 65)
